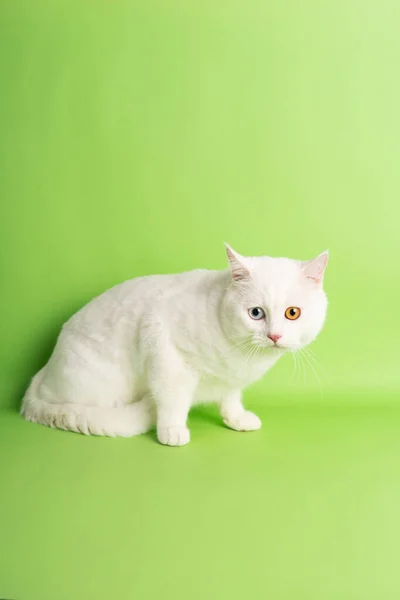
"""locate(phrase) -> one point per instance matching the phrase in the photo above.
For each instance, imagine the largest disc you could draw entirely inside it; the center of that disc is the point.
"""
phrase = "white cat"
(145, 351)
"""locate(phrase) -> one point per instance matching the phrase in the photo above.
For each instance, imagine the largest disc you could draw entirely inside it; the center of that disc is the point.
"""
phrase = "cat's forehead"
(276, 278)
(282, 272)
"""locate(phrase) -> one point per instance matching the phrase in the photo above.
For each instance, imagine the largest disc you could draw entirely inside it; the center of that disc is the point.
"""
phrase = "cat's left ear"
(315, 269)
(238, 268)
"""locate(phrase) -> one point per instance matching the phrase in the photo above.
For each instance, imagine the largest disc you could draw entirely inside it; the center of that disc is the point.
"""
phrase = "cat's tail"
(126, 421)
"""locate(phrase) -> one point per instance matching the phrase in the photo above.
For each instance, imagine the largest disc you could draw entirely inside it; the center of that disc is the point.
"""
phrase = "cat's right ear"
(239, 270)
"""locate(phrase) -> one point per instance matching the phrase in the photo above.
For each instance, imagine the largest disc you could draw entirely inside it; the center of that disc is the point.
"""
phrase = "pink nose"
(274, 338)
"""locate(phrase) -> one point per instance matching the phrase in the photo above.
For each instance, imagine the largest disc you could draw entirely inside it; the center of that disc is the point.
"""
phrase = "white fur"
(148, 349)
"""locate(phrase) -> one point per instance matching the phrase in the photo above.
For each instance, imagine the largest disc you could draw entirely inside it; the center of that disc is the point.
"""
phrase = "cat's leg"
(172, 388)
(234, 414)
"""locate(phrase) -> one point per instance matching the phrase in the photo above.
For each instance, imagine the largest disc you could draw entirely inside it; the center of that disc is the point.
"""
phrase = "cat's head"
(276, 303)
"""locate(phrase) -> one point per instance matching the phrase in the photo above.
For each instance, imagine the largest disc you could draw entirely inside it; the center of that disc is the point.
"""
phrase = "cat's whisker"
(245, 340)
(308, 350)
(247, 336)
(253, 352)
(295, 365)
(306, 358)
(250, 354)
(314, 358)
(239, 347)
(245, 359)
(302, 366)
(258, 351)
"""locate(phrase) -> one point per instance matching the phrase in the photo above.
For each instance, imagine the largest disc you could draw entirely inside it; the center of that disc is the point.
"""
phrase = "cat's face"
(276, 303)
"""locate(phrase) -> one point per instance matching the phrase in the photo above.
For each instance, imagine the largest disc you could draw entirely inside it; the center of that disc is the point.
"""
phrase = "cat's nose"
(274, 338)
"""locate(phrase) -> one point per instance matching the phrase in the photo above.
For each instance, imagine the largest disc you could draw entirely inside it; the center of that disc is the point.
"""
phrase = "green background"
(137, 137)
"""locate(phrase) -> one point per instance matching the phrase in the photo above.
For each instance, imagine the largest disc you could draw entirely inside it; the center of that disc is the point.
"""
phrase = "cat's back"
(130, 298)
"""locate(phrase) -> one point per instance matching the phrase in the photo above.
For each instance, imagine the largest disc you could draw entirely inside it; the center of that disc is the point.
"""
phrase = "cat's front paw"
(173, 436)
(244, 421)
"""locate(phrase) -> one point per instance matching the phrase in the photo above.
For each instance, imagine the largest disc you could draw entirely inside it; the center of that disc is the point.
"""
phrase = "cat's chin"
(292, 348)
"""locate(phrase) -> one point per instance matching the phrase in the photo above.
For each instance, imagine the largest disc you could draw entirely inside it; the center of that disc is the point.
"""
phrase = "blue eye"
(256, 313)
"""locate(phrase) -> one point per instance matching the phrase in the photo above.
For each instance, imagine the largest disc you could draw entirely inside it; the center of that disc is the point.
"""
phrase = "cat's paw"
(244, 421)
(173, 436)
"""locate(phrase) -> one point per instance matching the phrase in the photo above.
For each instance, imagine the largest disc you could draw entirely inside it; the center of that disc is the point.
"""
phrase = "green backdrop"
(137, 137)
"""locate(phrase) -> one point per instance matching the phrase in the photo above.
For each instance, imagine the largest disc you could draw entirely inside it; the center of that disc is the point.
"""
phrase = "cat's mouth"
(266, 345)
(277, 347)
(271, 346)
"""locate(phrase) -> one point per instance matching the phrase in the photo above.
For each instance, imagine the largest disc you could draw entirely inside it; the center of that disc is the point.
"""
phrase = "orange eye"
(292, 313)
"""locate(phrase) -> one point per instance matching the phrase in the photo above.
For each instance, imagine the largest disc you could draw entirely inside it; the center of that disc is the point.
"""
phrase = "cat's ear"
(315, 269)
(238, 268)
